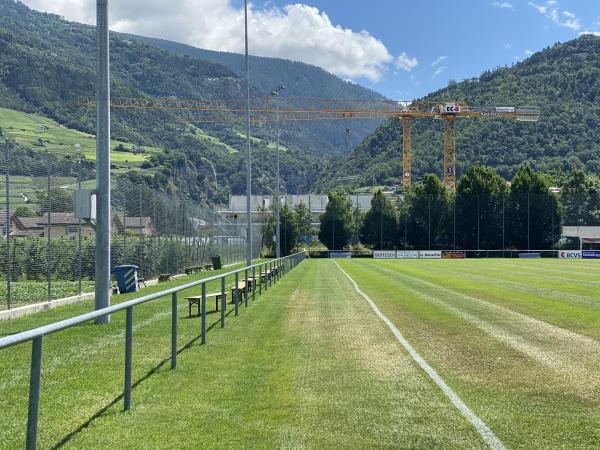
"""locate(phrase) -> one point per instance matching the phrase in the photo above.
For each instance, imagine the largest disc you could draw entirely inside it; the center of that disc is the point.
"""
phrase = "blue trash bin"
(127, 278)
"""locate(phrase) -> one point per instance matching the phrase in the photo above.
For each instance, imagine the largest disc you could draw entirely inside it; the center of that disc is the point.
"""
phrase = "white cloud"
(507, 47)
(298, 32)
(562, 18)
(439, 61)
(503, 5)
(406, 63)
(529, 52)
(438, 71)
(593, 33)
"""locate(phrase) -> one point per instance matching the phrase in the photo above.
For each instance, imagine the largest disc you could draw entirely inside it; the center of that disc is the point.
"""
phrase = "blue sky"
(401, 48)
(459, 39)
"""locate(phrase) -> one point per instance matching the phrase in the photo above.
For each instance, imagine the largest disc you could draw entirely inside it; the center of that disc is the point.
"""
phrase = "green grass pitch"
(310, 365)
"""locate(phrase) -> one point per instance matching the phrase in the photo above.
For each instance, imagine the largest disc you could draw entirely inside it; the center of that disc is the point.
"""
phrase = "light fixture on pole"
(275, 93)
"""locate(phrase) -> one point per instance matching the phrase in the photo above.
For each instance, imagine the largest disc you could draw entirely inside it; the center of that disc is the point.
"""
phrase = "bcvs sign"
(569, 254)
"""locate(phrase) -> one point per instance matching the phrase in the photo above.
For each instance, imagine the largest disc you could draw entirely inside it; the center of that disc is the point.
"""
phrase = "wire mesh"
(46, 253)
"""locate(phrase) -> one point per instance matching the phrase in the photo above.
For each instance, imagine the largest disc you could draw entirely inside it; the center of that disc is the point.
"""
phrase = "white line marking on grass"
(485, 432)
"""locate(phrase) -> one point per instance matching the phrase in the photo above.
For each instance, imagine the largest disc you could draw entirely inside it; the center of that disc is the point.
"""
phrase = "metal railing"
(269, 272)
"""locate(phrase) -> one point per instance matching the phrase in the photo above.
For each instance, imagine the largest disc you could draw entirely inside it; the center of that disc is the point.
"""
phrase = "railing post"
(128, 347)
(203, 326)
(266, 276)
(223, 302)
(34, 393)
(253, 283)
(174, 330)
(260, 279)
(237, 293)
(270, 277)
(246, 289)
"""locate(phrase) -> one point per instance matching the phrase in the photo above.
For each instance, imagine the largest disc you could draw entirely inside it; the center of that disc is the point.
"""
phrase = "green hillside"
(43, 134)
(300, 80)
(563, 81)
(46, 62)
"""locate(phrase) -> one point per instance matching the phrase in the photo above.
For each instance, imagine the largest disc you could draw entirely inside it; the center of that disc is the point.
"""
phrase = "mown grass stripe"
(484, 431)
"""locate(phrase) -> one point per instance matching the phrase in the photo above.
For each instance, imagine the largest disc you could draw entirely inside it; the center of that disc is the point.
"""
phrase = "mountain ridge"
(562, 80)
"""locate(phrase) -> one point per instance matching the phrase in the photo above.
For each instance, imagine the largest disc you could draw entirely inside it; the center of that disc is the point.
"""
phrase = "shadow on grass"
(119, 398)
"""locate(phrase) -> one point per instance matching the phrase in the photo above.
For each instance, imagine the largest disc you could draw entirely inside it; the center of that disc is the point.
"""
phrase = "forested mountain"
(300, 80)
(46, 62)
(563, 81)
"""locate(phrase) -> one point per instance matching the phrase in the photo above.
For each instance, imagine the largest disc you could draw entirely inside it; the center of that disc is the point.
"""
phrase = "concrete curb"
(45, 306)
(26, 310)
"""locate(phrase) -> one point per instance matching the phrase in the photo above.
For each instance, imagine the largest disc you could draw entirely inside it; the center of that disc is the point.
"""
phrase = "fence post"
(260, 279)
(79, 222)
(223, 302)
(128, 356)
(253, 283)
(203, 326)
(246, 288)
(7, 229)
(34, 393)
(270, 277)
(237, 293)
(174, 330)
(49, 231)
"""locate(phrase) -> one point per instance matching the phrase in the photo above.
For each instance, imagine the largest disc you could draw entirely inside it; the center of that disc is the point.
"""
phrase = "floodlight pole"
(248, 149)
(278, 203)
(102, 289)
(275, 93)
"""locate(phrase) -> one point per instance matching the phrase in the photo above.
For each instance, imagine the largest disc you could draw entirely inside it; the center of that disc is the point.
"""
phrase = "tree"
(479, 202)
(288, 229)
(288, 226)
(580, 197)
(304, 218)
(61, 200)
(379, 227)
(335, 231)
(428, 214)
(534, 214)
(24, 211)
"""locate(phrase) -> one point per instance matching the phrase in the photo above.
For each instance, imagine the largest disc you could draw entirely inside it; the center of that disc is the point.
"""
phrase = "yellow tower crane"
(298, 109)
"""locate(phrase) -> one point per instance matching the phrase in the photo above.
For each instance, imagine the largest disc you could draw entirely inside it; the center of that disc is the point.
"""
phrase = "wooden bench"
(164, 277)
(197, 300)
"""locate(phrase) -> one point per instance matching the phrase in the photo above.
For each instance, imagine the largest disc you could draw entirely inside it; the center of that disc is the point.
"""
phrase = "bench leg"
(190, 309)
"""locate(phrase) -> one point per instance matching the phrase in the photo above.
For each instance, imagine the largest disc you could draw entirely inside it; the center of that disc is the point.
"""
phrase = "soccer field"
(310, 364)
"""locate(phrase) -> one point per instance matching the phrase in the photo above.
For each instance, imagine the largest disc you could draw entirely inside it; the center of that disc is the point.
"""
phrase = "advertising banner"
(339, 254)
(453, 255)
(384, 254)
(430, 254)
(590, 254)
(407, 254)
(569, 254)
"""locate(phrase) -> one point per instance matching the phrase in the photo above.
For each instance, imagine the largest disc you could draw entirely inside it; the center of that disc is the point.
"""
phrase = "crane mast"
(301, 109)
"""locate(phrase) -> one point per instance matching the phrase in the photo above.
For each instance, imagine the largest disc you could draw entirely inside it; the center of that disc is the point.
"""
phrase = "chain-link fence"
(46, 253)
(521, 220)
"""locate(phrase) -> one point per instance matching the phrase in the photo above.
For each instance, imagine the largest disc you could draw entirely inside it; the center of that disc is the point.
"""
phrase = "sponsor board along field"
(339, 354)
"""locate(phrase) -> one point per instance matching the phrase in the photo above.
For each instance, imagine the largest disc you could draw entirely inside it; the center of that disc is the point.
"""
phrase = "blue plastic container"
(127, 278)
